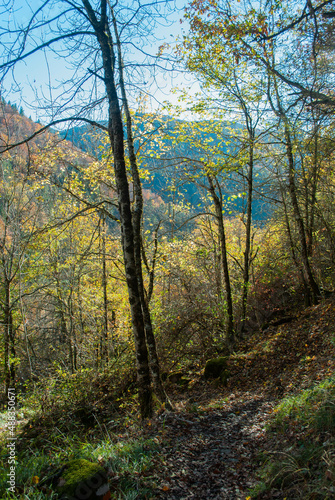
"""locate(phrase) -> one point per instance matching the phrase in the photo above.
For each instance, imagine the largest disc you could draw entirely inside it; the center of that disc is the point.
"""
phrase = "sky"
(33, 79)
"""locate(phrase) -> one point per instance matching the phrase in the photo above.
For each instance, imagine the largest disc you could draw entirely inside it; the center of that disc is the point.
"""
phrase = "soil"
(212, 445)
(210, 454)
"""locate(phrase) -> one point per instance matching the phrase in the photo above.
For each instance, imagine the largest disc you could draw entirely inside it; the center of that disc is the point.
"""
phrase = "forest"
(167, 250)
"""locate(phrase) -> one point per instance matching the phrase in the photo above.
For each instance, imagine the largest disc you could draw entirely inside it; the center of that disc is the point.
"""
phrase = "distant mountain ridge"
(164, 182)
(162, 178)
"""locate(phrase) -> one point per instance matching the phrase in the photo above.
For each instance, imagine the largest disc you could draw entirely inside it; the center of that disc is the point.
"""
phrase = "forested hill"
(168, 151)
(167, 309)
(33, 138)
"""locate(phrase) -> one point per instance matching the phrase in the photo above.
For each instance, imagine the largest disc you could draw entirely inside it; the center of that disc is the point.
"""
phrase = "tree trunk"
(115, 130)
(105, 353)
(294, 257)
(247, 249)
(151, 270)
(9, 355)
(311, 197)
(313, 287)
(224, 260)
(137, 227)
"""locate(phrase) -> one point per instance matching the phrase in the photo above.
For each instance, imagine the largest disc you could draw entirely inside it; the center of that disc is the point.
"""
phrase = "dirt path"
(211, 455)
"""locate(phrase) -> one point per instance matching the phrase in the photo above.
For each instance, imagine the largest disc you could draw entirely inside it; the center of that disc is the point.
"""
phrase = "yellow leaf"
(35, 479)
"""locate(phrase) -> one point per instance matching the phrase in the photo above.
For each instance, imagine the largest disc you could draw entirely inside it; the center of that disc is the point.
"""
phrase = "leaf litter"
(210, 454)
(211, 447)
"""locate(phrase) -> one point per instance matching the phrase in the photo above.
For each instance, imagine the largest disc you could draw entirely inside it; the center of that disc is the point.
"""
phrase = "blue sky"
(39, 78)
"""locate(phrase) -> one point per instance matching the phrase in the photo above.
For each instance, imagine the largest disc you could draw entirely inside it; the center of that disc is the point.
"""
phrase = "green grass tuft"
(306, 468)
(313, 408)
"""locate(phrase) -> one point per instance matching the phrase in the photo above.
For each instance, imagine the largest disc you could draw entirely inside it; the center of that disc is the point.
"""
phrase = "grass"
(313, 408)
(304, 428)
(83, 416)
(126, 463)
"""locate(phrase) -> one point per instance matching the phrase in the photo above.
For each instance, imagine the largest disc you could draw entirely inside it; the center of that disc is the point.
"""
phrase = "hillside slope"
(288, 357)
(268, 434)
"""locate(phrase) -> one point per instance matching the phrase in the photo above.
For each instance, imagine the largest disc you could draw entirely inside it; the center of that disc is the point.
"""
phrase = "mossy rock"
(214, 367)
(83, 480)
(224, 376)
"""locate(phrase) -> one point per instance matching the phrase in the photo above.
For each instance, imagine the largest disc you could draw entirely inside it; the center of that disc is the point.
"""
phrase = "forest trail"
(216, 444)
(212, 446)
(211, 454)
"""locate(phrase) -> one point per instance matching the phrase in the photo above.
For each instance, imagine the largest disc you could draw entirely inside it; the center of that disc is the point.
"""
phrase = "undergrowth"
(95, 416)
(303, 466)
(125, 463)
(86, 415)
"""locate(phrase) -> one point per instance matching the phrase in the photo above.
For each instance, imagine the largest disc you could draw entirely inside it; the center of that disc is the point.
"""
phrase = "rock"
(214, 367)
(224, 376)
(83, 480)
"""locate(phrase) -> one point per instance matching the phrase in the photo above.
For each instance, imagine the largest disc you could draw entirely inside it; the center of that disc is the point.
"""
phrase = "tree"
(19, 218)
(278, 107)
(203, 163)
(233, 89)
(254, 37)
(137, 215)
(250, 31)
(81, 31)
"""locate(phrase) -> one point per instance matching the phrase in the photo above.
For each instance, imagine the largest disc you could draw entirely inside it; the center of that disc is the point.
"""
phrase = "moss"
(214, 367)
(83, 479)
(224, 376)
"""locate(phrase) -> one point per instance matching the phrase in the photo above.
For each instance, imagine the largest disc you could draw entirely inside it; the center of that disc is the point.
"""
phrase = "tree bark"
(137, 227)
(224, 260)
(115, 131)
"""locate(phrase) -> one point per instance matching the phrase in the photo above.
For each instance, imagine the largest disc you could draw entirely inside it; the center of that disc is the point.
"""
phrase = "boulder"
(83, 480)
(214, 367)
(224, 376)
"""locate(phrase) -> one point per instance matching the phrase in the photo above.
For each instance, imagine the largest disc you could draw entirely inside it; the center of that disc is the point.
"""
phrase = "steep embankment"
(289, 357)
(268, 434)
(257, 437)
